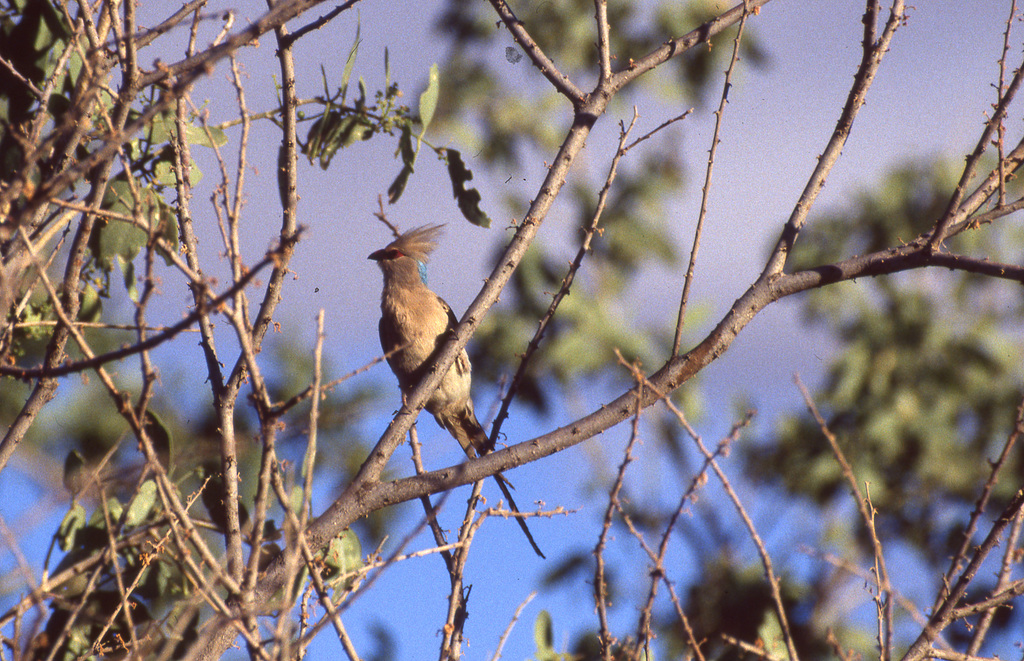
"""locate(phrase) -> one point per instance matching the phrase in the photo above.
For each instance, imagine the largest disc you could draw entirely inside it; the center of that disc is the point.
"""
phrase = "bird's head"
(409, 253)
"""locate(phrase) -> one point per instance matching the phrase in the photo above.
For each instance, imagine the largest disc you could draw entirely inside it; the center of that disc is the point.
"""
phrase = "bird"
(414, 325)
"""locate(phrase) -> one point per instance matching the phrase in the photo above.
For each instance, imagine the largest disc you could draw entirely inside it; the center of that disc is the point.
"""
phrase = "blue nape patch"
(423, 271)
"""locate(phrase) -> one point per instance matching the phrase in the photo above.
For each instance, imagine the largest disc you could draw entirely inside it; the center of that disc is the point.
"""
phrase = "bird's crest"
(418, 242)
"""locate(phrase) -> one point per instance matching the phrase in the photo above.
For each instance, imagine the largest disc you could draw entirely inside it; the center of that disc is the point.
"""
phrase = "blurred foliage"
(918, 386)
(732, 599)
(34, 33)
(922, 392)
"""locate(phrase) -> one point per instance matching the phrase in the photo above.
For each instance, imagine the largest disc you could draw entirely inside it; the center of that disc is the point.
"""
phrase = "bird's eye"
(393, 253)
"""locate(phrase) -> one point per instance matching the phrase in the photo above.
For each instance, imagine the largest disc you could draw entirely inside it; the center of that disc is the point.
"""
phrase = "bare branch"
(706, 189)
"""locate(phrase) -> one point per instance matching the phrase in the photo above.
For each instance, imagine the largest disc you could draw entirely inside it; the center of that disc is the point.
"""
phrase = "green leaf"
(114, 507)
(197, 135)
(360, 103)
(282, 175)
(408, 162)
(331, 132)
(295, 499)
(115, 237)
(770, 633)
(142, 504)
(164, 129)
(79, 642)
(73, 521)
(128, 271)
(405, 147)
(397, 186)
(344, 554)
(543, 636)
(91, 305)
(349, 64)
(355, 128)
(468, 198)
(163, 169)
(428, 100)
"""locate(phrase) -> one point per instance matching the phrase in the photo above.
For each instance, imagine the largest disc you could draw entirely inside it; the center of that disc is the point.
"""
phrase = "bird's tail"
(505, 484)
(464, 426)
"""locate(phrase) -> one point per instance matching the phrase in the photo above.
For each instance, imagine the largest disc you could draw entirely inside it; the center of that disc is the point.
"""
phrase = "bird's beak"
(376, 255)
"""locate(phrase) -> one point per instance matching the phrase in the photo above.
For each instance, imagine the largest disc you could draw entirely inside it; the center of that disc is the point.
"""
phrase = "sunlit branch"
(706, 188)
(562, 83)
(873, 53)
(954, 213)
(946, 611)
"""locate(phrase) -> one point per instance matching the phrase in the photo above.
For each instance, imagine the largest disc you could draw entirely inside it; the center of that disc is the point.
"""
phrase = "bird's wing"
(389, 341)
(462, 365)
(453, 321)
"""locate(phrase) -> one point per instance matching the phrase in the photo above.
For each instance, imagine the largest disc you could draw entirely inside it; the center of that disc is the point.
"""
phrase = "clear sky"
(929, 100)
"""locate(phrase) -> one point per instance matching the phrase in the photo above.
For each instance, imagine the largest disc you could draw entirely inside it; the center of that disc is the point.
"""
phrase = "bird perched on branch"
(414, 325)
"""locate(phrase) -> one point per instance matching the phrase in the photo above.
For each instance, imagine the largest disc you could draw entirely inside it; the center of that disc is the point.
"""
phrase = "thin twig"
(755, 537)
(511, 623)
(562, 83)
(883, 595)
(981, 505)
(946, 611)
(567, 281)
(104, 358)
(1000, 89)
(706, 188)
(871, 59)
(954, 210)
(605, 637)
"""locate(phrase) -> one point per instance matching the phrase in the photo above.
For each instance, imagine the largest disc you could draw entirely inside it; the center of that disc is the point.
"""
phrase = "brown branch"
(46, 386)
(317, 24)
(584, 117)
(867, 577)
(512, 622)
(981, 505)
(755, 537)
(458, 597)
(562, 83)
(675, 47)
(605, 637)
(954, 211)
(883, 596)
(988, 605)
(1000, 90)
(1004, 589)
(428, 508)
(706, 188)
(871, 60)
(946, 611)
(365, 493)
